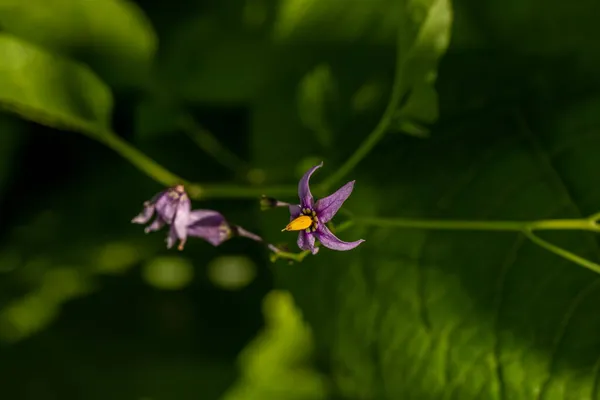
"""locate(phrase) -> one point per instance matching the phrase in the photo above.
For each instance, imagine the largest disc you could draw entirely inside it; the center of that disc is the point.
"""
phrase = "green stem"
(195, 191)
(298, 257)
(563, 224)
(206, 141)
(514, 226)
(378, 132)
(559, 251)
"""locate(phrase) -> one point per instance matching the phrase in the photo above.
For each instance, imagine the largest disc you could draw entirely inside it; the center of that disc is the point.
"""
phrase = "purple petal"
(214, 235)
(211, 227)
(182, 217)
(166, 207)
(295, 211)
(306, 241)
(157, 224)
(198, 215)
(327, 207)
(330, 241)
(306, 198)
(145, 215)
(171, 238)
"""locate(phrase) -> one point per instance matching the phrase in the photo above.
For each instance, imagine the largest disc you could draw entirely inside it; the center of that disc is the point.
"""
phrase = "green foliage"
(317, 97)
(337, 20)
(51, 90)
(113, 36)
(276, 364)
(417, 62)
(444, 315)
(430, 315)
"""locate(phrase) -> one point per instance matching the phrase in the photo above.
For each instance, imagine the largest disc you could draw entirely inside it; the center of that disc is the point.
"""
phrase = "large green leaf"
(113, 36)
(434, 315)
(51, 90)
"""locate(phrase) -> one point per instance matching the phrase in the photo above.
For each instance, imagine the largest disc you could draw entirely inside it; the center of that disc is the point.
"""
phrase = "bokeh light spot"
(168, 273)
(231, 272)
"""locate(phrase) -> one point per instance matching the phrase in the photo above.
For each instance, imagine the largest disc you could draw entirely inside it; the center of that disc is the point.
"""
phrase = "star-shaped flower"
(310, 217)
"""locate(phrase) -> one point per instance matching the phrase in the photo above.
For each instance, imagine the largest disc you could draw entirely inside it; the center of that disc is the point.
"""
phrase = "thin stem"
(167, 178)
(564, 224)
(298, 257)
(559, 251)
(206, 141)
(380, 129)
(594, 218)
(514, 226)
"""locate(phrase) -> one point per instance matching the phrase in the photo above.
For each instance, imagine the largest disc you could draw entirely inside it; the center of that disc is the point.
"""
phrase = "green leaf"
(276, 364)
(316, 103)
(337, 20)
(419, 64)
(420, 110)
(113, 36)
(439, 315)
(51, 90)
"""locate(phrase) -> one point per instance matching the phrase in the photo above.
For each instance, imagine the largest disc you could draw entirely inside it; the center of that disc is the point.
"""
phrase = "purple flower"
(172, 207)
(310, 217)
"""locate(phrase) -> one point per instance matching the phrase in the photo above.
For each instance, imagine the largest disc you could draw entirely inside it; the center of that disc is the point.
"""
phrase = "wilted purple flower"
(310, 217)
(172, 207)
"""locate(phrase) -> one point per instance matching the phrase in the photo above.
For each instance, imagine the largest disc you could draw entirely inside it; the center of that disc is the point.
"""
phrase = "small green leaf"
(277, 363)
(420, 110)
(316, 100)
(419, 64)
(113, 36)
(51, 90)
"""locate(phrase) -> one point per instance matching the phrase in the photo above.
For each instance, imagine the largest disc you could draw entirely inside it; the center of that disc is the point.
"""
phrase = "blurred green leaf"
(337, 20)
(420, 111)
(317, 97)
(51, 90)
(418, 64)
(276, 364)
(113, 36)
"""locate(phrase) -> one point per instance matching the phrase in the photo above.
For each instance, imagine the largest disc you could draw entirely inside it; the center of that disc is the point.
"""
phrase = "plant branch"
(559, 251)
